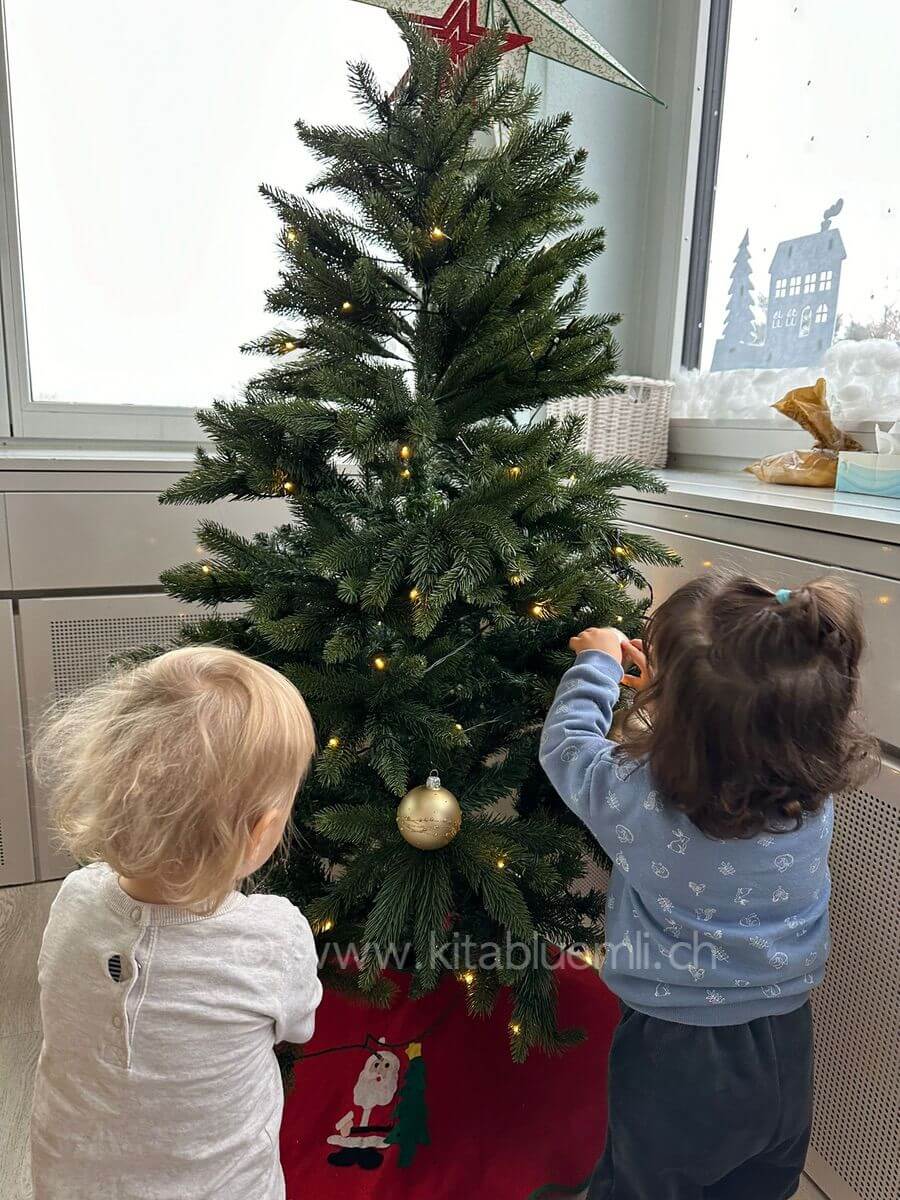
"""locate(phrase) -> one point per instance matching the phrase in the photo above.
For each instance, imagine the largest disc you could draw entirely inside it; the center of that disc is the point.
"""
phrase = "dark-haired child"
(716, 810)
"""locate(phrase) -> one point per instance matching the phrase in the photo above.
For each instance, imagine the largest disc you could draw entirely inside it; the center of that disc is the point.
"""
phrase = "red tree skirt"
(495, 1130)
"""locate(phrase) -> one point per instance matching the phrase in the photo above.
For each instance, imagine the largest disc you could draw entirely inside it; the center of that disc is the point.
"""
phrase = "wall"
(641, 163)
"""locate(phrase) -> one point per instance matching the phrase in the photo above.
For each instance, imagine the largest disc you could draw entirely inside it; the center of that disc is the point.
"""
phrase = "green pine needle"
(441, 541)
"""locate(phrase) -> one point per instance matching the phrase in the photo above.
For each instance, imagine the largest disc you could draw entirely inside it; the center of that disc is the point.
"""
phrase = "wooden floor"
(23, 914)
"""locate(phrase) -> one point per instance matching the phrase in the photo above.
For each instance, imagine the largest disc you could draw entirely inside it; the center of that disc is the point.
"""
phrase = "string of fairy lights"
(436, 235)
(538, 608)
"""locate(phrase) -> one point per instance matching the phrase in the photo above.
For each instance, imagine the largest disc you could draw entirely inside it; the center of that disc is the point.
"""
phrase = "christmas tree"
(410, 1129)
(445, 540)
(739, 323)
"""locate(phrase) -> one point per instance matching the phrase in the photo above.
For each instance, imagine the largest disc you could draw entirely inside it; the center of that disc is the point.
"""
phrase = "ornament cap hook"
(433, 781)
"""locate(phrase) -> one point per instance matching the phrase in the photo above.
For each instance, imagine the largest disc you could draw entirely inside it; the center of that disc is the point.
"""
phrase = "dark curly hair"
(749, 720)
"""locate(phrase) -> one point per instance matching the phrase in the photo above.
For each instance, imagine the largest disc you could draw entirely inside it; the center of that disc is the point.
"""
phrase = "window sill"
(72, 458)
(733, 493)
(718, 446)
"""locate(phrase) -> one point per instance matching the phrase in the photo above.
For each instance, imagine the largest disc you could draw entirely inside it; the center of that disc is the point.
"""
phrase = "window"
(142, 133)
(829, 228)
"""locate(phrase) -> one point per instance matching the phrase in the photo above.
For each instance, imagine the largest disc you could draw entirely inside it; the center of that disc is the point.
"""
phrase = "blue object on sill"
(868, 474)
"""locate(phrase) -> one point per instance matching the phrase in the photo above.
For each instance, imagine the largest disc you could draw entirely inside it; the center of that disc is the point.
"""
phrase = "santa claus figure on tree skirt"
(423, 1100)
(359, 1142)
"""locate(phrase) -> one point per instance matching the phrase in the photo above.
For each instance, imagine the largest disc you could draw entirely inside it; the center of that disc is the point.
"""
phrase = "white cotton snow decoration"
(853, 401)
(887, 441)
(863, 385)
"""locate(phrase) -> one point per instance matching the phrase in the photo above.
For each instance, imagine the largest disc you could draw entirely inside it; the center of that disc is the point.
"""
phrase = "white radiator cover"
(66, 644)
(855, 1153)
(16, 853)
(856, 1130)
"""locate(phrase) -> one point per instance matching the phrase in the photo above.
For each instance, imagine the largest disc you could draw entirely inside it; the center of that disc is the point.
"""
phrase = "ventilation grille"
(81, 649)
(856, 1129)
(2, 855)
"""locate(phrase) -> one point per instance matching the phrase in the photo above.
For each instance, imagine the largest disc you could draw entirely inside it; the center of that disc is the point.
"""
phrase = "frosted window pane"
(805, 210)
(141, 133)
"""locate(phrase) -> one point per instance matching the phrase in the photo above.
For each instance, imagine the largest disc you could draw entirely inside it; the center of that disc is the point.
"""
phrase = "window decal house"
(801, 314)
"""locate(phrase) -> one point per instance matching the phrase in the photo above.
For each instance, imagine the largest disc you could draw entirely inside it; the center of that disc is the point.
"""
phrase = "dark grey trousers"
(700, 1113)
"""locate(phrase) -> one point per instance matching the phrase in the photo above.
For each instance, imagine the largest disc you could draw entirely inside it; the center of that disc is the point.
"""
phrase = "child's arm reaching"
(576, 752)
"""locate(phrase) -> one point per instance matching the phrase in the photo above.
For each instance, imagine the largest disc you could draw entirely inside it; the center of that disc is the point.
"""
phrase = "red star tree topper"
(459, 27)
(543, 27)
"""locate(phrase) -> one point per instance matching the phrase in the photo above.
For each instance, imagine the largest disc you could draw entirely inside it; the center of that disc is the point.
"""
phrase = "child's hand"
(633, 656)
(610, 641)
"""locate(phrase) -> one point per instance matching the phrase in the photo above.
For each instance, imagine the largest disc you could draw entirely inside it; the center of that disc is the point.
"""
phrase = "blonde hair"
(163, 769)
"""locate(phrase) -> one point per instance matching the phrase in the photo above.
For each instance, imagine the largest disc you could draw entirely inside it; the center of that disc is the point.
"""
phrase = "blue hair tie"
(783, 595)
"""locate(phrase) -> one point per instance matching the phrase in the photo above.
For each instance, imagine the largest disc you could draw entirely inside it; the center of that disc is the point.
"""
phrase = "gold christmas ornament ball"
(429, 816)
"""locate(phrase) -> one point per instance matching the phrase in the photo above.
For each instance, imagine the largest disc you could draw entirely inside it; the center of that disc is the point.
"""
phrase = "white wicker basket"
(632, 420)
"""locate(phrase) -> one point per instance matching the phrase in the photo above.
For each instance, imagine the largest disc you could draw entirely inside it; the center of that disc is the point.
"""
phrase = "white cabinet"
(83, 541)
(856, 1124)
(708, 542)
(81, 551)
(66, 643)
(856, 1127)
(16, 858)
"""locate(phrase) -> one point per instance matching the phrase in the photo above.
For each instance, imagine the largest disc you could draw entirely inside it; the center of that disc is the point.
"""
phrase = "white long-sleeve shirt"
(162, 1084)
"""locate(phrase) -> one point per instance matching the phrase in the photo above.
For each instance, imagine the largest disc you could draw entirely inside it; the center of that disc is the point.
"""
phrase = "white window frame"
(22, 418)
(667, 316)
(697, 442)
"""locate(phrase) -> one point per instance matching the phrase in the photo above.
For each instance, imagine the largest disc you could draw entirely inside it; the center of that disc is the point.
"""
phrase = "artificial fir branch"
(443, 538)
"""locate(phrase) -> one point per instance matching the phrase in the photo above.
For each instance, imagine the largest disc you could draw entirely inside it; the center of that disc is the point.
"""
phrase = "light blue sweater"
(700, 930)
